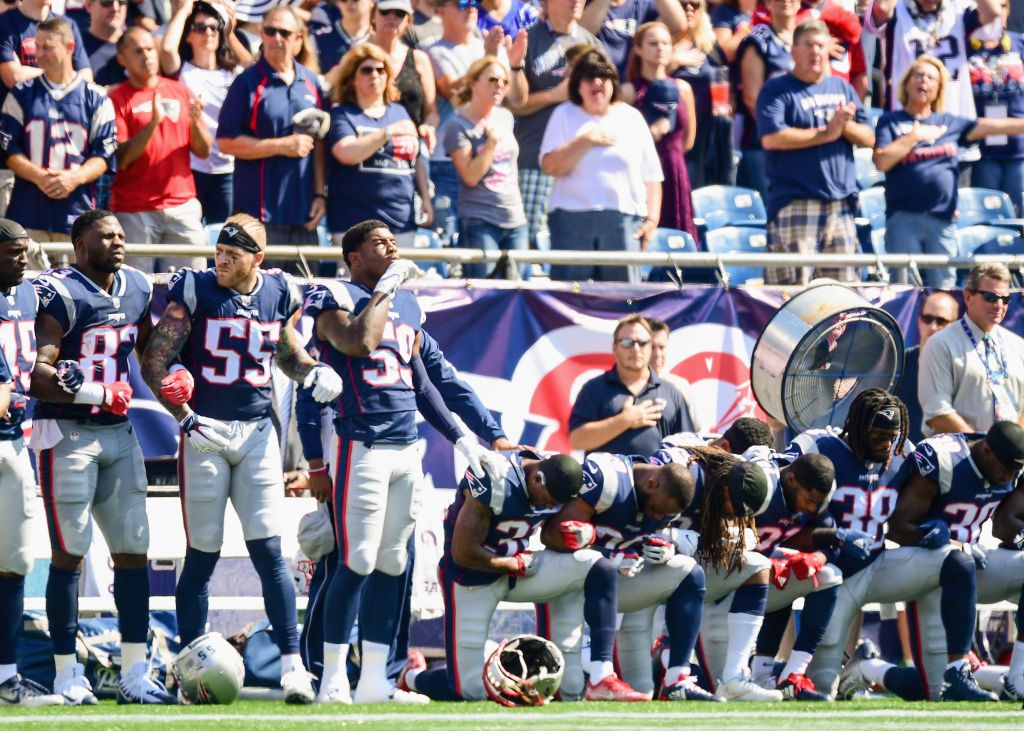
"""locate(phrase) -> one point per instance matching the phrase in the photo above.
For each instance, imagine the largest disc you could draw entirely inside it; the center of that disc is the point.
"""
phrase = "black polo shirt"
(604, 396)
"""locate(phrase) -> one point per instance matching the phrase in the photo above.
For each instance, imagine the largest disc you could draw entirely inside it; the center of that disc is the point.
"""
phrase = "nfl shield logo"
(117, 302)
(246, 300)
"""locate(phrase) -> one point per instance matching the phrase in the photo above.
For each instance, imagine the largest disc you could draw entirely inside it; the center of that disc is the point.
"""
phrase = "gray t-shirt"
(496, 198)
(545, 69)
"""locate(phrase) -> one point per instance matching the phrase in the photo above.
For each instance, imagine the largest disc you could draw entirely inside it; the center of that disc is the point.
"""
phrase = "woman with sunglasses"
(200, 49)
(917, 147)
(374, 149)
(606, 194)
(667, 105)
(484, 151)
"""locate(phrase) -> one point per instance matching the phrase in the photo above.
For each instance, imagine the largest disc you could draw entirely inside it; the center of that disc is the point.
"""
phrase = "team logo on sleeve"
(45, 292)
(923, 458)
(476, 487)
(589, 483)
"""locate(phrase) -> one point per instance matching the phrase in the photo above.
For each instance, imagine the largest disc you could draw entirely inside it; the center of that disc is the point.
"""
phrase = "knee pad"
(393, 562)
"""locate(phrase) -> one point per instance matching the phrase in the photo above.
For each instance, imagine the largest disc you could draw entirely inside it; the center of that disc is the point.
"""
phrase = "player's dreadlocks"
(716, 547)
(861, 416)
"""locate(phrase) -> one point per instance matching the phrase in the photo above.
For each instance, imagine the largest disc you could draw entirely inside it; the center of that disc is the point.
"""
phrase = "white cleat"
(746, 690)
(137, 685)
(298, 687)
(72, 684)
(367, 693)
(336, 693)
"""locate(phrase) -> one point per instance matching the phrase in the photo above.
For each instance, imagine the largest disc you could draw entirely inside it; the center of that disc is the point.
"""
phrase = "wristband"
(321, 195)
(318, 471)
(174, 368)
(520, 67)
(91, 393)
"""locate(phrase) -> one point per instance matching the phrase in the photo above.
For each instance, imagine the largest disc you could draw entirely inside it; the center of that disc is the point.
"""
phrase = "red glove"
(806, 565)
(576, 534)
(116, 397)
(177, 387)
(780, 572)
(527, 564)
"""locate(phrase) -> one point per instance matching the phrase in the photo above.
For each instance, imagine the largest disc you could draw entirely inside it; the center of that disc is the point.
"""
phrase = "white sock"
(63, 661)
(131, 653)
(1017, 659)
(334, 664)
(957, 663)
(762, 666)
(7, 671)
(743, 629)
(375, 663)
(599, 670)
(874, 670)
(990, 677)
(675, 672)
(798, 662)
(410, 679)
(291, 662)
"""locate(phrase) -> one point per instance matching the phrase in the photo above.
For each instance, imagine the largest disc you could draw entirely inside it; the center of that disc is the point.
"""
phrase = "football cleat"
(19, 691)
(136, 685)
(686, 689)
(335, 693)
(72, 684)
(958, 684)
(298, 687)
(1013, 690)
(387, 693)
(800, 688)
(745, 690)
(611, 688)
(850, 679)
(415, 663)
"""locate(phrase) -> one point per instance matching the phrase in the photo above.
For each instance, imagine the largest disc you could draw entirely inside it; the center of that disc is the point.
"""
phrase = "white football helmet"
(524, 671)
(209, 670)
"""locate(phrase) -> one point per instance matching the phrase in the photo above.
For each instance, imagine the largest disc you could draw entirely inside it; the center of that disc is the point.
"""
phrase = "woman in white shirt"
(200, 48)
(607, 190)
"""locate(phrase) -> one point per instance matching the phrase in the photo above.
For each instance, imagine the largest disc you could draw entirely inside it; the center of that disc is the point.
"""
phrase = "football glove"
(854, 544)
(475, 454)
(17, 408)
(686, 541)
(936, 534)
(1018, 541)
(70, 376)
(177, 387)
(396, 273)
(325, 382)
(576, 534)
(528, 564)
(208, 436)
(805, 565)
(627, 563)
(658, 550)
(780, 572)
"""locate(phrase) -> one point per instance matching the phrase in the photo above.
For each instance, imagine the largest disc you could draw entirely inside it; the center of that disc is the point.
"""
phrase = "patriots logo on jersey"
(476, 487)
(5, 140)
(923, 459)
(45, 292)
(589, 483)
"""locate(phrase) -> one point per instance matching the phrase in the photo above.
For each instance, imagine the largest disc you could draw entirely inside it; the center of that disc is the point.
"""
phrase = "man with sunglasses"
(628, 409)
(106, 24)
(972, 373)
(938, 310)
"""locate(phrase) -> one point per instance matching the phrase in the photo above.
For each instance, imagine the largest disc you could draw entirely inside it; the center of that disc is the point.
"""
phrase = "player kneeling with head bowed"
(209, 670)
(623, 510)
(486, 560)
(225, 325)
(524, 671)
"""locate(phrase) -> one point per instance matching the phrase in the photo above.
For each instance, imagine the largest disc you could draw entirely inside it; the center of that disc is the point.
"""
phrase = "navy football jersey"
(233, 341)
(966, 499)
(18, 342)
(514, 520)
(619, 518)
(56, 129)
(865, 495)
(378, 403)
(689, 518)
(100, 330)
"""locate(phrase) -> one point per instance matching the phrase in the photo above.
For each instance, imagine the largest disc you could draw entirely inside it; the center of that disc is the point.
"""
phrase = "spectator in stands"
(106, 24)
(615, 22)
(972, 374)
(628, 409)
(697, 58)
(426, 26)
(607, 177)
(373, 146)
(918, 150)
(667, 106)
(55, 167)
(997, 81)
(511, 16)
(279, 171)
(659, 365)
(547, 86)
(764, 54)
(483, 148)
(809, 131)
(731, 22)
(159, 123)
(336, 26)
(938, 310)
(201, 49)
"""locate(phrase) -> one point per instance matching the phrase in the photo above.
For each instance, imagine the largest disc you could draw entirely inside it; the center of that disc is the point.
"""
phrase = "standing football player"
(91, 316)
(226, 324)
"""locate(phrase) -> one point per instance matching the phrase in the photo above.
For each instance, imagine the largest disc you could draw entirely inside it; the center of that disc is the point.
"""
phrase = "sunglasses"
(272, 32)
(992, 297)
(107, 3)
(629, 343)
(934, 320)
(373, 70)
(204, 27)
(394, 12)
(499, 81)
(690, 5)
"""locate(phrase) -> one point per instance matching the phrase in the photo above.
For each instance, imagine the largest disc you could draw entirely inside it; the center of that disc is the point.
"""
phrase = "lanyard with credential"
(1002, 374)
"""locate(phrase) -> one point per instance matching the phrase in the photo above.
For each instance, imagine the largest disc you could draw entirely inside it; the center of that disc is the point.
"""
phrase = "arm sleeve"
(308, 415)
(430, 404)
(456, 392)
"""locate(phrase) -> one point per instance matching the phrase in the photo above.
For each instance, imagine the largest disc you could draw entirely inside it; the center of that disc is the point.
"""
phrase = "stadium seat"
(984, 239)
(870, 216)
(667, 239)
(738, 239)
(868, 175)
(426, 239)
(715, 206)
(986, 206)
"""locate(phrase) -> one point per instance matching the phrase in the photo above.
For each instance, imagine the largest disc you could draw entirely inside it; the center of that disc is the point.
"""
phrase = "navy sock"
(904, 682)
(814, 618)
(958, 579)
(341, 601)
(380, 607)
(62, 609)
(750, 599)
(772, 630)
(683, 612)
(192, 594)
(131, 597)
(600, 599)
(278, 591)
(436, 685)
(12, 606)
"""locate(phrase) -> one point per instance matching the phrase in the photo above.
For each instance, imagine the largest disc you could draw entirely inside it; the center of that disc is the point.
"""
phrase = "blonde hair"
(306, 55)
(464, 91)
(702, 35)
(925, 60)
(996, 270)
(344, 91)
(252, 226)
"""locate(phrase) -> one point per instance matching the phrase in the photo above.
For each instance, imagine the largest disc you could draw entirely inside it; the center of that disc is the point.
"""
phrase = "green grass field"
(255, 715)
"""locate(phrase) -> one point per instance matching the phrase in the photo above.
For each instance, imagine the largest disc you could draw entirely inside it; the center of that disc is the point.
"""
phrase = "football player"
(623, 511)
(91, 316)
(371, 331)
(226, 324)
(1005, 583)
(957, 481)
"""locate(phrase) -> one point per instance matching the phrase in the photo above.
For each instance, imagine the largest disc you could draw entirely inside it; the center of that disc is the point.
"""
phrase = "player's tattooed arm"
(355, 335)
(1008, 521)
(551, 534)
(912, 506)
(468, 540)
(43, 384)
(165, 343)
(291, 357)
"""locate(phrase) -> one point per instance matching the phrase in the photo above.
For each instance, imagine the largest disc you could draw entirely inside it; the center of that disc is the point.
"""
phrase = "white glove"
(658, 549)
(396, 273)
(206, 435)
(627, 563)
(475, 454)
(686, 541)
(325, 382)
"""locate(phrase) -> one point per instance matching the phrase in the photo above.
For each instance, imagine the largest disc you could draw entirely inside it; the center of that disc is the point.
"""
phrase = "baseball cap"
(748, 488)
(661, 102)
(563, 477)
(316, 534)
(1006, 440)
(211, 9)
(11, 230)
(404, 5)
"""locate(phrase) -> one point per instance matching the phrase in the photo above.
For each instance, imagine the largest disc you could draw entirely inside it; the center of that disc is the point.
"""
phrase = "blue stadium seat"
(870, 216)
(984, 239)
(986, 206)
(667, 239)
(426, 239)
(715, 206)
(738, 239)
(868, 175)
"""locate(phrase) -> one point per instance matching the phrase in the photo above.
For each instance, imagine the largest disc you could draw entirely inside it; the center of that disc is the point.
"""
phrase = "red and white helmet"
(524, 671)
